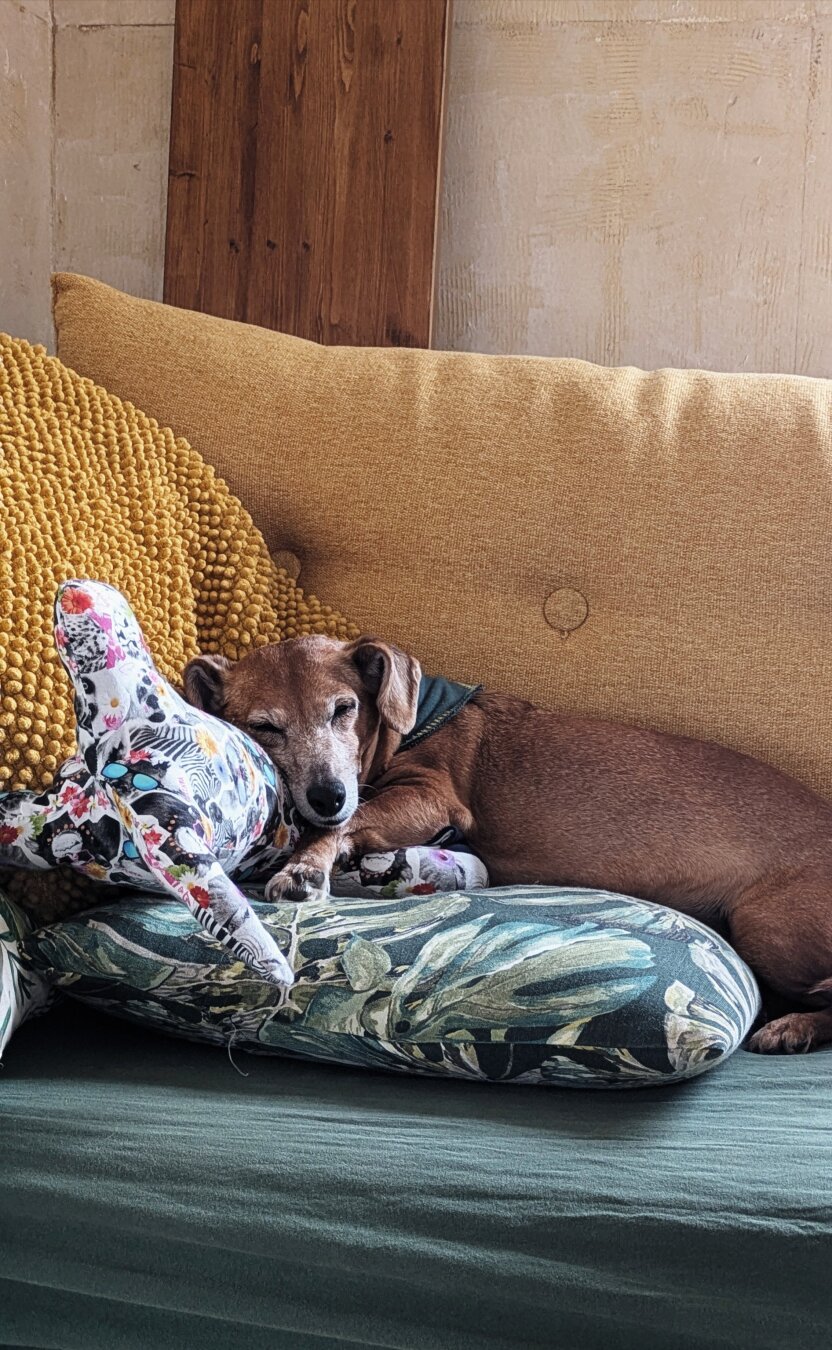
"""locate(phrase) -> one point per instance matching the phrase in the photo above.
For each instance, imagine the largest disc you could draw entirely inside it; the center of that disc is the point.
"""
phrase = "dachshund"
(377, 756)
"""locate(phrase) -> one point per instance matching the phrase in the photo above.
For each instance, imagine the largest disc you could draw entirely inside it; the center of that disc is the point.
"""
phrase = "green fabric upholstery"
(23, 993)
(528, 984)
(154, 1197)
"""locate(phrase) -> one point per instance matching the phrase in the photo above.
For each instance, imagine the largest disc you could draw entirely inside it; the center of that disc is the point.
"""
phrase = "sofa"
(646, 546)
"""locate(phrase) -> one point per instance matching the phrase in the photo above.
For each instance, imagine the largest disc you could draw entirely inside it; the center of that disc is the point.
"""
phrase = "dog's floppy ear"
(204, 683)
(392, 677)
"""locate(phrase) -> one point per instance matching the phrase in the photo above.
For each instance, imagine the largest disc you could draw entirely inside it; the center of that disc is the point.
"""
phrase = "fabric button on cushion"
(566, 609)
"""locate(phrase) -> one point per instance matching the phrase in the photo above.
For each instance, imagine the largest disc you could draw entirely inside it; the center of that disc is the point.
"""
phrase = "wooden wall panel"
(304, 165)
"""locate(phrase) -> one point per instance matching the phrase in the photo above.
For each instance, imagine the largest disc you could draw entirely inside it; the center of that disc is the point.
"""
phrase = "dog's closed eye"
(344, 710)
(267, 728)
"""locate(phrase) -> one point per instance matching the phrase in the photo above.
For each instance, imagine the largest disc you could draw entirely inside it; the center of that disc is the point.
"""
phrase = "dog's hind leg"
(785, 934)
(794, 1034)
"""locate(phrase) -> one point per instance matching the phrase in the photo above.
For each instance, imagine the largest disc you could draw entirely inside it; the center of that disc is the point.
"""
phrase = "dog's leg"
(179, 862)
(306, 874)
(785, 935)
(401, 816)
(794, 1034)
(404, 815)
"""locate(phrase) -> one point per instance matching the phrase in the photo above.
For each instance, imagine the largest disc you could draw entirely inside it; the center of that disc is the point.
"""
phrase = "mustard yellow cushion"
(655, 547)
(90, 486)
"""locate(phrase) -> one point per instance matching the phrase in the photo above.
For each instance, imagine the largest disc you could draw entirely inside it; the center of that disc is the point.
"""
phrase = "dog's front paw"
(295, 883)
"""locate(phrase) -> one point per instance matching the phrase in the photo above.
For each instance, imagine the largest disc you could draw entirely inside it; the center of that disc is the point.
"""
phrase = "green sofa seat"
(154, 1195)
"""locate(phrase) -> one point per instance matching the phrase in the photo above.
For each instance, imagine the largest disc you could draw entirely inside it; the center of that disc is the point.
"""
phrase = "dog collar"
(439, 702)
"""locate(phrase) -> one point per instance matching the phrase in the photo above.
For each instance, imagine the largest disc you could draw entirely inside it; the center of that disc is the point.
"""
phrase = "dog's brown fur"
(544, 797)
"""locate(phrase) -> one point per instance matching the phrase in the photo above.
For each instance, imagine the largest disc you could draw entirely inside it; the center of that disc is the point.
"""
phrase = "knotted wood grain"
(304, 166)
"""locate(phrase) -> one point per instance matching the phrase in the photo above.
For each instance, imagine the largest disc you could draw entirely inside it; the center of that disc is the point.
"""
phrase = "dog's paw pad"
(790, 1035)
(296, 883)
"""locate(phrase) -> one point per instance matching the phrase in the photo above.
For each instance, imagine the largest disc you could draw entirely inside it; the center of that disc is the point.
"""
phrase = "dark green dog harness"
(439, 701)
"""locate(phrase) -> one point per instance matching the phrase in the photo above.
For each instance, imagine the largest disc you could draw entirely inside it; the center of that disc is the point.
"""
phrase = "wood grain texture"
(304, 165)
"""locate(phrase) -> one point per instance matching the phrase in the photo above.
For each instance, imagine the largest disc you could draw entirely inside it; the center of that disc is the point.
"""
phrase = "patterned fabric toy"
(162, 795)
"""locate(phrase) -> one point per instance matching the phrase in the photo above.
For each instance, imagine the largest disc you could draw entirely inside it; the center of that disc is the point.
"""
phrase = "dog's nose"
(327, 798)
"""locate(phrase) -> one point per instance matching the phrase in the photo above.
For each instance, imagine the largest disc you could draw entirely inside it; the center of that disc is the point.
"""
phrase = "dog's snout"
(327, 797)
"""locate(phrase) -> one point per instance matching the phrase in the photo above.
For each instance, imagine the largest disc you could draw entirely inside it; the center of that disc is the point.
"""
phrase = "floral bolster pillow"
(524, 984)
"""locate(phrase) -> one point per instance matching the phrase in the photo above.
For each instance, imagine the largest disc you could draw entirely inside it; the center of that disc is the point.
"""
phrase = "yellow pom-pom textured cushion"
(90, 486)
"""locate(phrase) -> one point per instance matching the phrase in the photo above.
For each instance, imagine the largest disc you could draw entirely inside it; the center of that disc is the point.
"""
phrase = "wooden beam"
(304, 165)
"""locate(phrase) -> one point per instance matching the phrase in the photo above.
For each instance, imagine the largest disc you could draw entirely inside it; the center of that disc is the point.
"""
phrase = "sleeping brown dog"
(542, 797)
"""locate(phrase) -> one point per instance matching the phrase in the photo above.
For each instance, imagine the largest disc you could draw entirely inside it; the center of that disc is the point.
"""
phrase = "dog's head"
(329, 714)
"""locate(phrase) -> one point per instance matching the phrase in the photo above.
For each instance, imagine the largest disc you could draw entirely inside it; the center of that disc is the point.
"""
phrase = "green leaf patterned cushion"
(23, 992)
(521, 984)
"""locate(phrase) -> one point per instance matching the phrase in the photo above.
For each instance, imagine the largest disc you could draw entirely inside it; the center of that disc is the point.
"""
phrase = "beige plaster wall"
(640, 181)
(25, 168)
(84, 119)
(645, 181)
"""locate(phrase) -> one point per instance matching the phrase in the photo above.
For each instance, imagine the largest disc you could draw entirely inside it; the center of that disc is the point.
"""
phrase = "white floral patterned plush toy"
(160, 795)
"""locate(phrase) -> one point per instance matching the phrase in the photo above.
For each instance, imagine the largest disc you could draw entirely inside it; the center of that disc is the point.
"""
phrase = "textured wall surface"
(629, 181)
(84, 117)
(113, 69)
(25, 168)
(640, 181)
